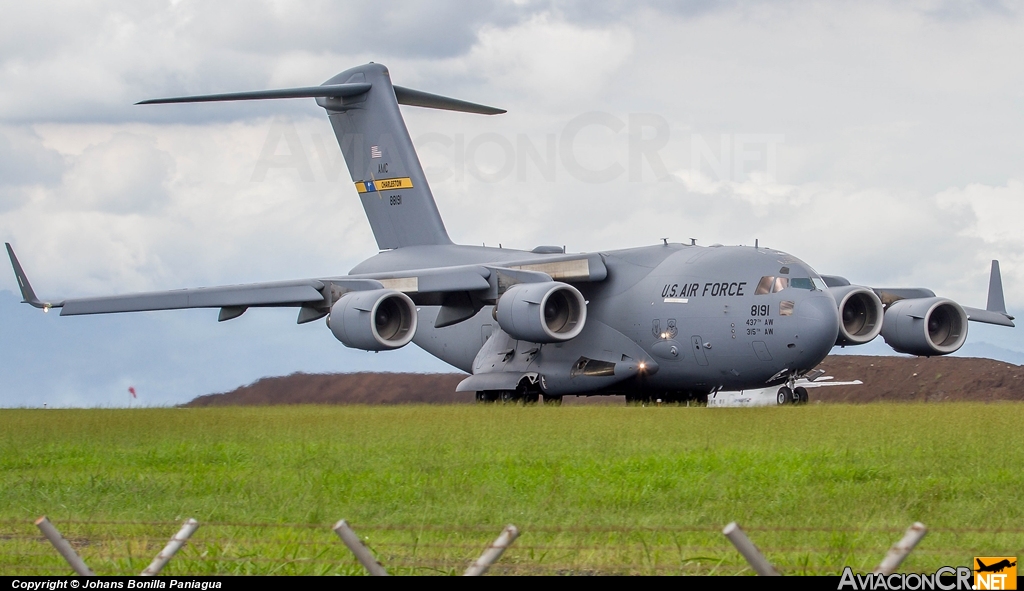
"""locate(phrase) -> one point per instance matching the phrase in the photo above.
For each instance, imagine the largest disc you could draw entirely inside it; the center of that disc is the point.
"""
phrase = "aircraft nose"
(817, 329)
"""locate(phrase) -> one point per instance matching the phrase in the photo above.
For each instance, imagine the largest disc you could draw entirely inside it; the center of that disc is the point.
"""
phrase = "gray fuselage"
(692, 317)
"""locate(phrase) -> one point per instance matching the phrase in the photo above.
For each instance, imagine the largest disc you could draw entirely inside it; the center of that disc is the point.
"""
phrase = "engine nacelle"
(375, 320)
(548, 312)
(926, 326)
(860, 312)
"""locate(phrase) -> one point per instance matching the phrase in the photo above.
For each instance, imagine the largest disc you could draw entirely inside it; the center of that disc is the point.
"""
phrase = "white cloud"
(549, 61)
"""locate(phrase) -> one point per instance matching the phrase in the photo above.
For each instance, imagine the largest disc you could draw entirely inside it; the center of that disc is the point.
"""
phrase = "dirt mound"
(924, 379)
(885, 379)
(344, 388)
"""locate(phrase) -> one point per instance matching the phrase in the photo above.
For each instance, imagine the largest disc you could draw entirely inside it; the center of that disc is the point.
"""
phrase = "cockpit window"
(771, 285)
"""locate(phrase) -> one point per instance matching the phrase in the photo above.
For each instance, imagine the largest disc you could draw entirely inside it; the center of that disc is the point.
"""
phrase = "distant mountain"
(989, 351)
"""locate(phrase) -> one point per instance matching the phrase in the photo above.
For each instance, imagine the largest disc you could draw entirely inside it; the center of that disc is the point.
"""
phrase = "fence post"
(64, 547)
(171, 548)
(749, 550)
(359, 549)
(901, 549)
(493, 552)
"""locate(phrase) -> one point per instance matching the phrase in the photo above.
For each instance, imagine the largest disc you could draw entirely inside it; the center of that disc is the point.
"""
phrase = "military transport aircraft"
(670, 321)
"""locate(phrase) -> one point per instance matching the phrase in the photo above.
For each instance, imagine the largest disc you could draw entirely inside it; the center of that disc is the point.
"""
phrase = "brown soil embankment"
(885, 379)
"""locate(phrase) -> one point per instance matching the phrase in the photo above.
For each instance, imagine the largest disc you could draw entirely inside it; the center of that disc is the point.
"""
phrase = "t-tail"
(362, 105)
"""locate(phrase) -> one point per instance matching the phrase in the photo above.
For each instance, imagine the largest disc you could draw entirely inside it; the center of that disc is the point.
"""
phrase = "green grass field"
(593, 489)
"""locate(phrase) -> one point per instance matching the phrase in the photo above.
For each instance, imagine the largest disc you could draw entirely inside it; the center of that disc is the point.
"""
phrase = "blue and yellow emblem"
(383, 185)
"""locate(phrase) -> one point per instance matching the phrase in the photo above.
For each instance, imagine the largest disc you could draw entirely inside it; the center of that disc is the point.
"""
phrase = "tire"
(507, 396)
(527, 394)
(801, 395)
(785, 396)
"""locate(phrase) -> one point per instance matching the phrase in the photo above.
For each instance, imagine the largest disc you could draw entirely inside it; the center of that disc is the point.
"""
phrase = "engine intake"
(861, 314)
(375, 320)
(926, 326)
(548, 312)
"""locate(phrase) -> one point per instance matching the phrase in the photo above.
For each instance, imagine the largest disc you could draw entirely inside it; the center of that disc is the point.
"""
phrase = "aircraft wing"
(993, 313)
(315, 296)
(282, 293)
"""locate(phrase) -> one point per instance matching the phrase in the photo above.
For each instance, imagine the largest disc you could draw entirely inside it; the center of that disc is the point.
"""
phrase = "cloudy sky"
(879, 141)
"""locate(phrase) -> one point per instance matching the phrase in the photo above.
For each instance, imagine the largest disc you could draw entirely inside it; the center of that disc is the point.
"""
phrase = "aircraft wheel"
(487, 396)
(785, 396)
(553, 400)
(507, 396)
(527, 394)
(801, 395)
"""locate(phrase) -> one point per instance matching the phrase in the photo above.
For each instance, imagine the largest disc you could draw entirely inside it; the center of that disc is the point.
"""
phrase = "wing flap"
(588, 267)
(442, 279)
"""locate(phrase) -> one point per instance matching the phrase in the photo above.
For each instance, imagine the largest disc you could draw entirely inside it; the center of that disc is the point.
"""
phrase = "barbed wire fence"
(229, 548)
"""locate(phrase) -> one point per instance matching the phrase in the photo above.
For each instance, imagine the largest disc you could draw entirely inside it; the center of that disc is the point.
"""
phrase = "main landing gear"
(788, 395)
(525, 393)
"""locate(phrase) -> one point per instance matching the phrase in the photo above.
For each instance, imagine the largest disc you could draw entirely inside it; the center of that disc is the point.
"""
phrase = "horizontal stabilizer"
(418, 98)
(326, 90)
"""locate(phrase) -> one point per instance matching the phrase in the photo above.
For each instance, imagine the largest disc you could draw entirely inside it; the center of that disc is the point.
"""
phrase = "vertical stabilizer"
(382, 161)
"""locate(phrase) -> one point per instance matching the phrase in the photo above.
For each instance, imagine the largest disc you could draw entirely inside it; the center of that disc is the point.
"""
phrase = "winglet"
(27, 294)
(995, 310)
(995, 291)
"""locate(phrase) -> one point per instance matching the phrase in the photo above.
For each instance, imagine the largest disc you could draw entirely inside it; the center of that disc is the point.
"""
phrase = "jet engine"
(861, 313)
(548, 312)
(925, 326)
(375, 320)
